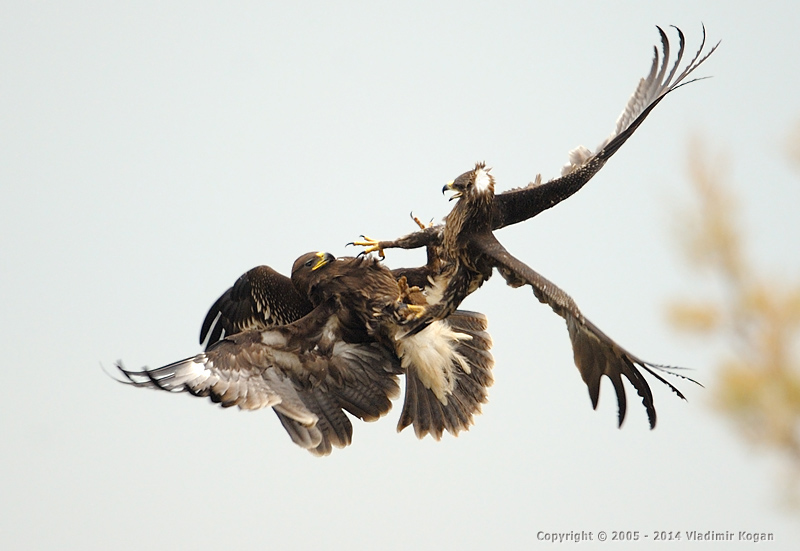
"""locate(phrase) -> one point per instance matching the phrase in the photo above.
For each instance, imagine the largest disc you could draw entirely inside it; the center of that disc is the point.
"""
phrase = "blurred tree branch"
(757, 316)
(793, 146)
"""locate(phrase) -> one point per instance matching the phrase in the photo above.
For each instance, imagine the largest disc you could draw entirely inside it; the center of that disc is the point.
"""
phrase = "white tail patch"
(432, 354)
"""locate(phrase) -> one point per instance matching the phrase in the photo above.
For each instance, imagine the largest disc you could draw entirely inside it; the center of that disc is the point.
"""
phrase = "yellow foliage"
(694, 316)
(793, 145)
(756, 315)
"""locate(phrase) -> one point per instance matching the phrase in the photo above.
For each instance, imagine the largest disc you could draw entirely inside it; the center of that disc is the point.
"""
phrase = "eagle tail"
(450, 397)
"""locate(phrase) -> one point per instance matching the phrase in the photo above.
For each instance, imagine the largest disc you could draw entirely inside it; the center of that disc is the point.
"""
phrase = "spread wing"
(259, 299)
(523, 203)
(303, 371)
(518, 205)
(595, 353)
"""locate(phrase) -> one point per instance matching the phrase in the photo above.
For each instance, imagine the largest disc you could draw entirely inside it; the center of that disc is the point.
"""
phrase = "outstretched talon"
(371, 246)
(420, 224)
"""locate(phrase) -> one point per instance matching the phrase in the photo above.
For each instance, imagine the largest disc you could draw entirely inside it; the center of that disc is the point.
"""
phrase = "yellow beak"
(324, 260)
(449, 187)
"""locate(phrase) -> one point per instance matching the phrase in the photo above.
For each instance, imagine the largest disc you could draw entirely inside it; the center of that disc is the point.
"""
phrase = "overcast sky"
(151, 153)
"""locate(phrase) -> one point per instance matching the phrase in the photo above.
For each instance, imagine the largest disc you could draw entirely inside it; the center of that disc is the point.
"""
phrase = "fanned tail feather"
(471, 374)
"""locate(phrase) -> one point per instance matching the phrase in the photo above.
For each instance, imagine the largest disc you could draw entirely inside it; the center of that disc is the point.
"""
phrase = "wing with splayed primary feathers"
(303, 371)
(520, 204)
(595, 353)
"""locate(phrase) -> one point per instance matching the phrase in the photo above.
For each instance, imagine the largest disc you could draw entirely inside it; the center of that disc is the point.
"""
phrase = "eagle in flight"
(335, 337)
(463, 252)
(331, 339)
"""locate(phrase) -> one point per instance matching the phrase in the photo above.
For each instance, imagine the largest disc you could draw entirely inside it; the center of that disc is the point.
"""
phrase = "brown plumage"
(309, 371)
(446, 362)
(260, 298)
(522, 203)
(344, 354)
(468, 250)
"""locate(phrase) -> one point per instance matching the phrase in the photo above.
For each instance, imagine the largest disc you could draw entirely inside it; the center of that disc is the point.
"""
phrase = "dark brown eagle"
(330, 340)
(463, 252)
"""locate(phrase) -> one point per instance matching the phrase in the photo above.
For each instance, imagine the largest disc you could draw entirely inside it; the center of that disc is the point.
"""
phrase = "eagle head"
(306, 270)
(475, 183)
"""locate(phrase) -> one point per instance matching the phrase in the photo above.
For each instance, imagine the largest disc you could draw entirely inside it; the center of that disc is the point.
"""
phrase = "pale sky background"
(151, 153)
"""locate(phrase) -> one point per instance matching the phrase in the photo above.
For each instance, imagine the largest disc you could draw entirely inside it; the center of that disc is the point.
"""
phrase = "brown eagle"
(463, 252)
(330, 340)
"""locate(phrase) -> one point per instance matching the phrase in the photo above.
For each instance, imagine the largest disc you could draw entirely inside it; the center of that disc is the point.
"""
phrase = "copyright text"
(655, 535)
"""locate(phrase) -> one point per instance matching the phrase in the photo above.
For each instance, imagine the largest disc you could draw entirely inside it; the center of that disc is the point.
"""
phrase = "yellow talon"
(419, 222)
(406, 290)
(370, 246)
(418, 311)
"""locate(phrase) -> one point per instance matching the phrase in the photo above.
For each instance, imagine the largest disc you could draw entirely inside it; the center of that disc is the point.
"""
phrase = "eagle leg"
(406, 290)
(421, 224)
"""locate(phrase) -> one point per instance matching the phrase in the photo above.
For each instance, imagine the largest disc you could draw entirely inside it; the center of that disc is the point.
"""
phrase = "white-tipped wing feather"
(648, 93)
(308, 386)
(516, 205)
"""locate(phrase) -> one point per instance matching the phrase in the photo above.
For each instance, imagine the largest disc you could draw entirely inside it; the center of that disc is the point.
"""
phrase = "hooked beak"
(449, 187)
(324, 260)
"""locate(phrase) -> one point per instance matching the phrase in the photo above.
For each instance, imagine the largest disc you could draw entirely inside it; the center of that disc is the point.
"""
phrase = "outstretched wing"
(520, 204)
(260, 298)
(595, 353)
(303, 371)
